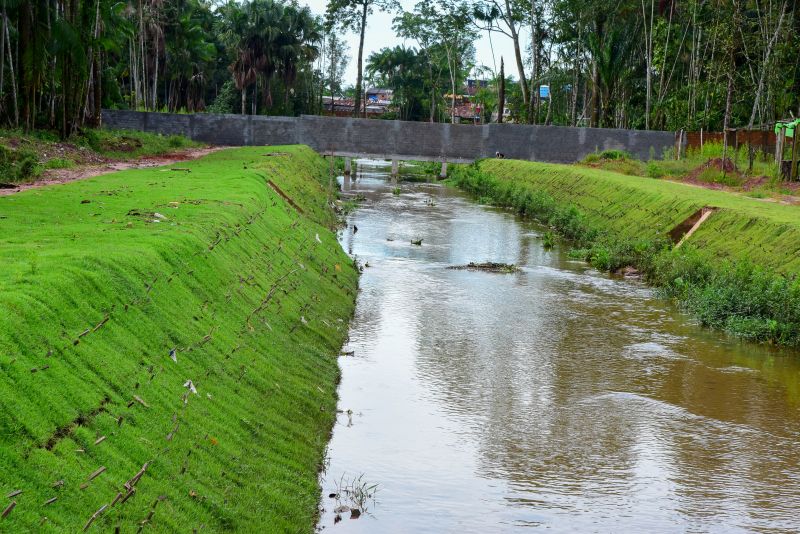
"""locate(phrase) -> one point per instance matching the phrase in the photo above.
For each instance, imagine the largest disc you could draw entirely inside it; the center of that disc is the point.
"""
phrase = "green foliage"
(228, 99)
(18, 165)
(130, 143)
(104, 278)
(59, 163)
(548, 240)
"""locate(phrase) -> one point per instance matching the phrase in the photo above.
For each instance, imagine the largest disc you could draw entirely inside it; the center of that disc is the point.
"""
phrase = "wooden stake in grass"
(94, 516)
(8, 509)
(97, 473)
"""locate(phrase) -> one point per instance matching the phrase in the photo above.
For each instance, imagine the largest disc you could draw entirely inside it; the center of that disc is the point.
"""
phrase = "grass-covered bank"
(737, 272)
(27, 156)
(168, 343)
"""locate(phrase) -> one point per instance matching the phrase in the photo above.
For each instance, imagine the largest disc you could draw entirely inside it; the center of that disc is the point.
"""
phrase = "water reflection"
(555, 397)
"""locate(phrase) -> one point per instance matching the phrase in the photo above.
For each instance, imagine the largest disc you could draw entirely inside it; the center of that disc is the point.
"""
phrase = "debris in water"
(341, 509)
(417, 242)
(337, 519)
(333, 496)
(355, 513)
(629, 272)
(489, 267)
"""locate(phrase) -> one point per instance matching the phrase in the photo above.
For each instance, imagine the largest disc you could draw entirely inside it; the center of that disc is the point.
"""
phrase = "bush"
(18, 165)
(59, 163)
(655, 170)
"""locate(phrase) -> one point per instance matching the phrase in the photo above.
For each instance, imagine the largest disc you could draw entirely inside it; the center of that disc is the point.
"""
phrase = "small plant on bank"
(59, 163)
(548, 240)
(396, 191)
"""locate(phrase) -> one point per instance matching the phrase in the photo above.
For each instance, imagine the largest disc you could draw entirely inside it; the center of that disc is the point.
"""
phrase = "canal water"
(555, 398)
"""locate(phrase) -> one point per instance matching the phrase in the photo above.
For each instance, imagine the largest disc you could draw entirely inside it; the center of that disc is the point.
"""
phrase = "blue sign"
(544, 91)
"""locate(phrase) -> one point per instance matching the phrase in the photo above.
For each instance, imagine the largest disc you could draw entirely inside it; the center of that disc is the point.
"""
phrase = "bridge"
(397, 140)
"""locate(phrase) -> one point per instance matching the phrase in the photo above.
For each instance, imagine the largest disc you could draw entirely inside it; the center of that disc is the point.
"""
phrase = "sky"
(380, 34)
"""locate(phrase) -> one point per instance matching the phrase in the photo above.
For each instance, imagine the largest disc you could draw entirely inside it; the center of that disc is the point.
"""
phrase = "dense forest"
(657, 64)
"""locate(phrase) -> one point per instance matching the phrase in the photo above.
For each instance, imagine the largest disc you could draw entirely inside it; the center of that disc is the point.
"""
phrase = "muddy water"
(556, 398)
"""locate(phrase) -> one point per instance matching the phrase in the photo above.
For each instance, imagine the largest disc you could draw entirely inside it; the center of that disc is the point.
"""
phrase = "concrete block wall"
(370, 137)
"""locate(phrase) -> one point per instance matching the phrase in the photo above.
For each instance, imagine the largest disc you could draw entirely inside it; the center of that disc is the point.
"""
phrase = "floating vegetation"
(489, 267)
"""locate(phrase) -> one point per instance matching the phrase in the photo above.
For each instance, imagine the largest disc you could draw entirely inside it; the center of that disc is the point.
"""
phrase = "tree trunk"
(765, 66)
(594, 123)
(24, 29)
(360, 77)
(501, 97)
(533, 108)
(648, 43)
(244, 100)
(575, 83)
(523, 80)
(3, 59)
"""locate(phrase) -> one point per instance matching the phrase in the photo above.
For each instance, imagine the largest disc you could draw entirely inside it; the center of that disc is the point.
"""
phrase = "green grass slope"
(633, 207)
(103, 279)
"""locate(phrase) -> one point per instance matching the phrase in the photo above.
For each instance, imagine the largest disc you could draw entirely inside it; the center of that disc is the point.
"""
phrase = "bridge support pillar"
(395, 167)
(348, 166)
(443, 172)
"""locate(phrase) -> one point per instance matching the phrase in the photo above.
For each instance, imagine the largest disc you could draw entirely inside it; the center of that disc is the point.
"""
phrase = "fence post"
(779, 140)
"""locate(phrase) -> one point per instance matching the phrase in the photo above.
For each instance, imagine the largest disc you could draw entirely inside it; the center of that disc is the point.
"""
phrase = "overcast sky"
(380, 34)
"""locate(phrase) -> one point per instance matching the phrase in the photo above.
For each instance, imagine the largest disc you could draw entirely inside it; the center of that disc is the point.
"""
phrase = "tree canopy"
(657, 64)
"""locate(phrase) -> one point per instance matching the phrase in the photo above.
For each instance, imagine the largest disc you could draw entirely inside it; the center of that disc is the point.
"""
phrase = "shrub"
(655, 170)
(59, 163)
(18, 165)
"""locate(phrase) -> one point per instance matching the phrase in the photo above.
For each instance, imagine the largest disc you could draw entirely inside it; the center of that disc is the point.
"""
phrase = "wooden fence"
(762, 141)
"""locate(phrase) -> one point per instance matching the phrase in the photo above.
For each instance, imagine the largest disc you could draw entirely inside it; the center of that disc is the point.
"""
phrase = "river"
(553, 398)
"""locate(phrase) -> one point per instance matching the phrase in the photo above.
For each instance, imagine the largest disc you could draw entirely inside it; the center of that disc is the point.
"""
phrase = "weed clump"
(18, 165)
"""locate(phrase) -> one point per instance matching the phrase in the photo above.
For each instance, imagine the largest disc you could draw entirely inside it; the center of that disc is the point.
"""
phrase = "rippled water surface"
(555, 398)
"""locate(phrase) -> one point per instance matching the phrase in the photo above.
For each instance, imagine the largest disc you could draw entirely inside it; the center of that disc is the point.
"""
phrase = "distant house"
(379, 96)
(343, 107)
(467, 111)
(473, 86)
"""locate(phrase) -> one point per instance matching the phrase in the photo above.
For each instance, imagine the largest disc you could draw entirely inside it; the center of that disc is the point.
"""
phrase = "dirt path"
(63, 176)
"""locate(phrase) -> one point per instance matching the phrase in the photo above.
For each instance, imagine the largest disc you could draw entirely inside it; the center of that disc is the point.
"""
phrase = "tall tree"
(353, 15)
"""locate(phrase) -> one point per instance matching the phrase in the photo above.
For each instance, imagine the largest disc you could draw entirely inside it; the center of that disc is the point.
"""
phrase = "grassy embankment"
(737, 272)
(105, 280)
(704, 167)
(24, 157)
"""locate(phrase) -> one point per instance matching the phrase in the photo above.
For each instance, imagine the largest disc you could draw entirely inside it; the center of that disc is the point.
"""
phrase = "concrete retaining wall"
(403, 140)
